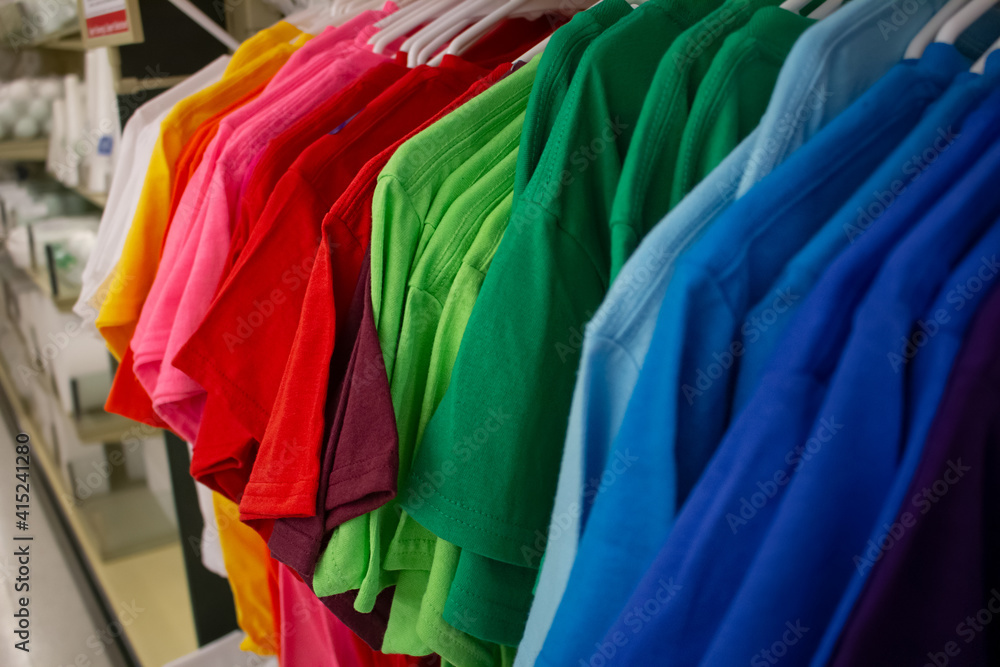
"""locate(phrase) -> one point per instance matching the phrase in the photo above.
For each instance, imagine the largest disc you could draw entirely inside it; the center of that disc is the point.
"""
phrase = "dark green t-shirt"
(735, 93)
(555, 72)
(643, 195)
(500, 427)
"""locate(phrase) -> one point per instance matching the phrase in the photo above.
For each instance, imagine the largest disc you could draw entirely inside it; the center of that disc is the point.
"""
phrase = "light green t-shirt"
(406, 209)
(483, 181)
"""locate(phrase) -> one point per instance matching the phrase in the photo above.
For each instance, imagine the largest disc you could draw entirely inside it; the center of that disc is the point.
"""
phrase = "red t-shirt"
(242, 346)
(355, 392)
(283, 150)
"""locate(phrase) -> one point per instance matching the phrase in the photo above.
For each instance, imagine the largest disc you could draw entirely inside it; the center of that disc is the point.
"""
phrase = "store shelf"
(28, 150)
(151, 582)
(64, 302)
(98, 199)
(67, 39)
(132, 85)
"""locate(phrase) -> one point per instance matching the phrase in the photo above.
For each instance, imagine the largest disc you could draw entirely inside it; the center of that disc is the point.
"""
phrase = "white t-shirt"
(137, 144)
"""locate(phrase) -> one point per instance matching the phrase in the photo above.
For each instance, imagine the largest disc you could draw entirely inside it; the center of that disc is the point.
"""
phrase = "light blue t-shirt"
(845, 54)
(831, 505)
(720, 530)
(933, 135)
(712, 286)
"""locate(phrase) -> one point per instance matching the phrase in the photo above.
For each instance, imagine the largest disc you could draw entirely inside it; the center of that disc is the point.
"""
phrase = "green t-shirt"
(500, 426)
(406, 209)
(641, 200)
(735, 93)
(555, 71)
(483, 182)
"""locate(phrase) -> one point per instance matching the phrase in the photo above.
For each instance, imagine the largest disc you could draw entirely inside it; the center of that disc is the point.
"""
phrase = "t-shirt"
(735, 93)
(253, 579)
(615, 342)
(134, 154)
(617, 338)
(873, 411)
(360, 395)
(837, 59)
(723, 523)
(933, 135)
(141, 252)
(550, 269)
(674, 419)
(944, 535)
(640, 201)
(281, 152)
(555, 72)
(474, 191)
(353, 481)
(223, 360)
(404, 199)
(311, 635)
(127, 396)
(180, 298)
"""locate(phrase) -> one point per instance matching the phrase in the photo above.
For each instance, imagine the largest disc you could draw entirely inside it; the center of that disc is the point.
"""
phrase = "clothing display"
(636, 333)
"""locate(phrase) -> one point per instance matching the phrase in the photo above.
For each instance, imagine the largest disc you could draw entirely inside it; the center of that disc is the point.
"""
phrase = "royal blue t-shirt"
(926, 357)
(829, 508)
(727, 516)
(931, 137)
(946, 535)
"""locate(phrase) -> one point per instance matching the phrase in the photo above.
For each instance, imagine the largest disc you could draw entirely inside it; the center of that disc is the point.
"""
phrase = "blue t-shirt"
(931, 351)
(712, 286)
(831, 505)
(933, 135)
(835, 60)
(720, 529)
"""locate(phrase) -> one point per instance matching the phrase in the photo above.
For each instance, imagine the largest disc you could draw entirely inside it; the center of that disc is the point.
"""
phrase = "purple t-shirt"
(924, 598)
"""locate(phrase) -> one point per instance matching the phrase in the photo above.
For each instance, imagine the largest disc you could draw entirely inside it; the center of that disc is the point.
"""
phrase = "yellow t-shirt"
(252, 578)
(257, 60)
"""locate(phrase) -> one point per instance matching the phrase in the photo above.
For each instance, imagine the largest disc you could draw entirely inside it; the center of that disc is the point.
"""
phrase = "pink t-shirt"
(310, 633)
(175, 266)
(202, 245)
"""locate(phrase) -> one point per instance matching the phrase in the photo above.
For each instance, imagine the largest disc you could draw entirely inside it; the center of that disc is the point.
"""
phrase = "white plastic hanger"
(447, 24)
(926, 35)
(400, 15)
(540, 47)
(509, 9)
(794, 6)
(957, 24)
(979, 66)
(426, 10)
(827, 8)
(421, 53)
(481, 27)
